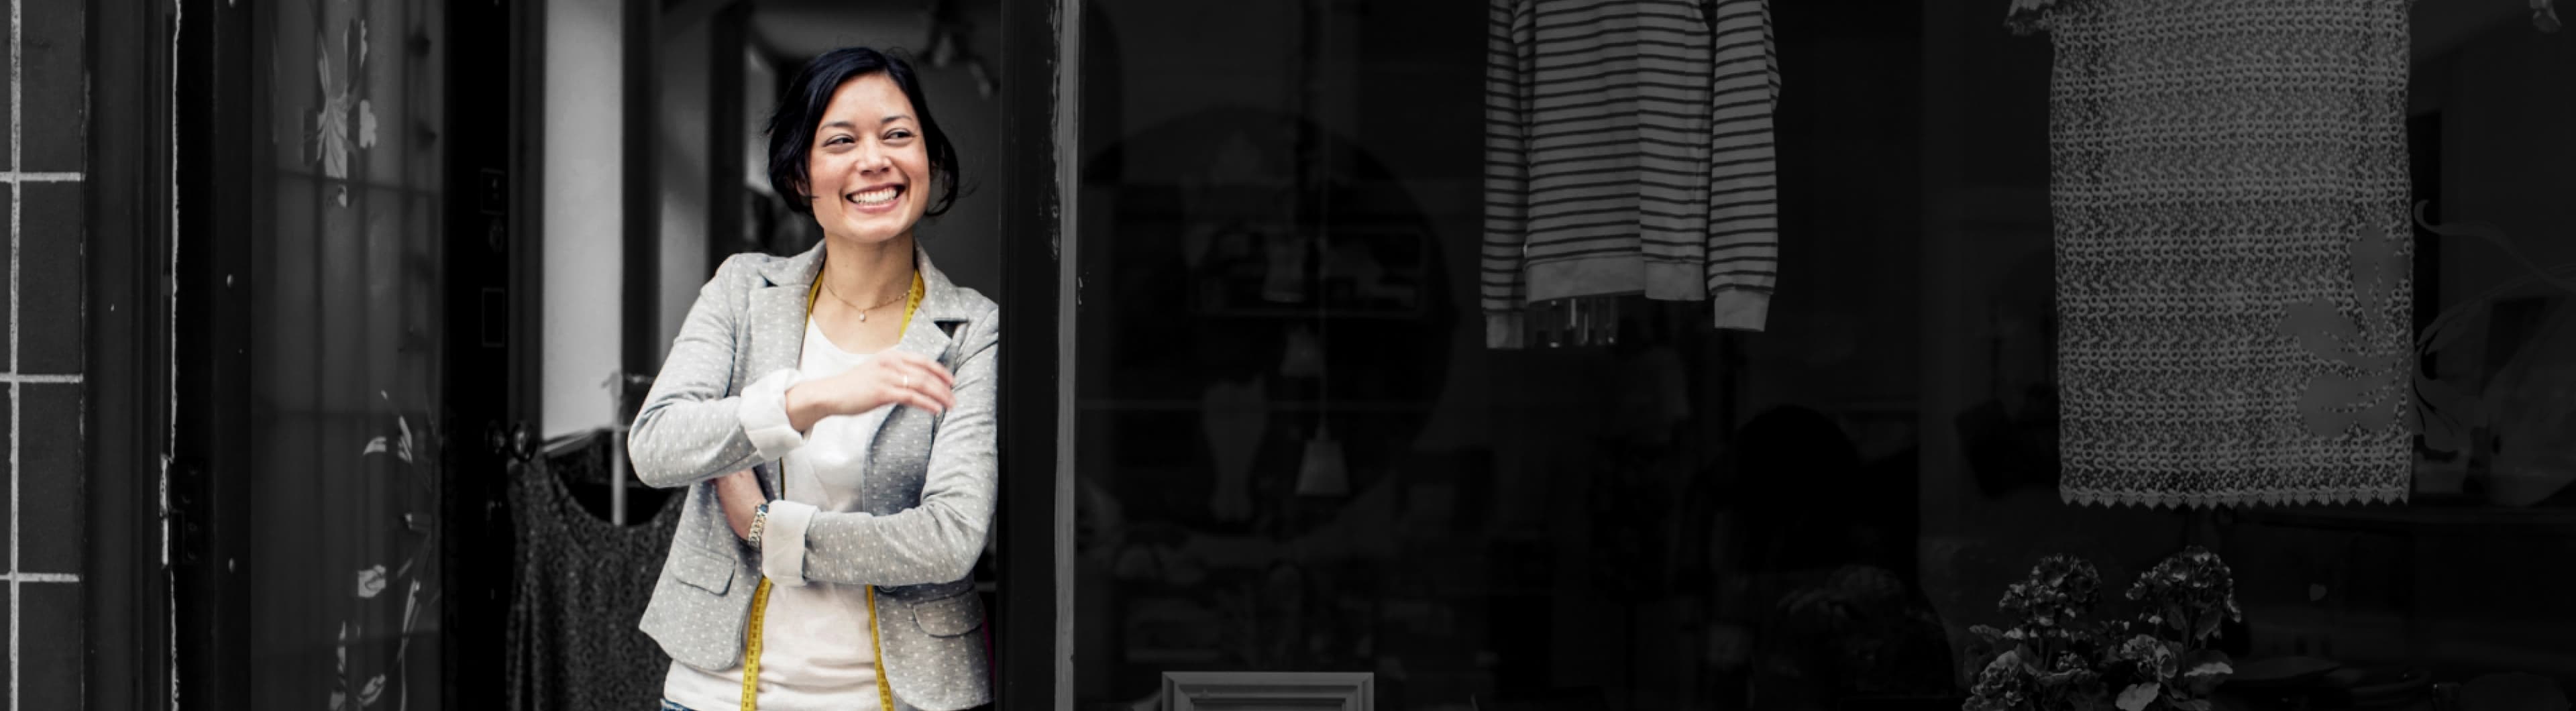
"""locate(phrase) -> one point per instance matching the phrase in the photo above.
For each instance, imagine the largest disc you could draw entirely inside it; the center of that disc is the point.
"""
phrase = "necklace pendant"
(863, 317)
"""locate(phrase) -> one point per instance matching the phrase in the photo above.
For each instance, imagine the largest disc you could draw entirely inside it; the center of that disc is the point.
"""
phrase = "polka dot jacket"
(928, 499)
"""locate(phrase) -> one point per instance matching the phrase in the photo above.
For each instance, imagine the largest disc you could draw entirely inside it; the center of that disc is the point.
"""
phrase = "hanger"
(617, 385)
(560, 446)
(542, 460)
(1582, 321)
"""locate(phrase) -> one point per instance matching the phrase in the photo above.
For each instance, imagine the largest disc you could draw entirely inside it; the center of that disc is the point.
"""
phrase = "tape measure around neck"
(760, 597)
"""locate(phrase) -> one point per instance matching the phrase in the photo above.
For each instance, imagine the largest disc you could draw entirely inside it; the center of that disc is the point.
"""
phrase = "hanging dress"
(580, 584)
(2229, 188)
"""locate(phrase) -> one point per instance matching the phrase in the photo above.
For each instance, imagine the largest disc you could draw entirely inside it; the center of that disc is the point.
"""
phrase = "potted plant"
(2060, 656)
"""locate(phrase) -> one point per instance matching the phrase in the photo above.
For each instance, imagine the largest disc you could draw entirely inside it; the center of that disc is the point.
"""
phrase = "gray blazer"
(928, 496)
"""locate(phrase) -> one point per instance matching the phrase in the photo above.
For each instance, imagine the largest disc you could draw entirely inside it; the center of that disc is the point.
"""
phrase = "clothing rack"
(566, 444)
(620, 386)
(1606, 321)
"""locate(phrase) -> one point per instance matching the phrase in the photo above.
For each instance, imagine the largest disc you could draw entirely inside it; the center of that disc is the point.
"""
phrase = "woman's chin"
(871, 232)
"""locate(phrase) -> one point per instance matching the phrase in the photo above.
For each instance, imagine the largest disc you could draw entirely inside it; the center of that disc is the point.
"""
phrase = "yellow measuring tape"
(751, 645)
(760, 596)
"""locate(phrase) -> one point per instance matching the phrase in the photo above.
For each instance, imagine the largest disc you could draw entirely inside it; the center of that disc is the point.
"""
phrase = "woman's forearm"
(738, 495)
(806, 406)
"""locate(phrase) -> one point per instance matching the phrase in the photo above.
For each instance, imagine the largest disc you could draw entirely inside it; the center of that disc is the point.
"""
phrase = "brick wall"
(48, 115)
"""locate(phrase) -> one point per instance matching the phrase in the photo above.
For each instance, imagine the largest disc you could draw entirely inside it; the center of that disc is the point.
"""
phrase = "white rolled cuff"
(764, 416)
(782, 542)
(1503, 330)
(1742, 309)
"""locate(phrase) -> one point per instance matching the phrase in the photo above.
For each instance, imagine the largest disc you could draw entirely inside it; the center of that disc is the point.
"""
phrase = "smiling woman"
(844, 463)
(872, 130)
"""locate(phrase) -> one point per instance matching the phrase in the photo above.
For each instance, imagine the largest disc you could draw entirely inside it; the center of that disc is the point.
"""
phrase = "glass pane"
(1297, 452)
(1289, 432)
(344, 575)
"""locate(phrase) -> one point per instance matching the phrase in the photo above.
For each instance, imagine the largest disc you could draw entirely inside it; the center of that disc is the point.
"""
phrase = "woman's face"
(869, 165)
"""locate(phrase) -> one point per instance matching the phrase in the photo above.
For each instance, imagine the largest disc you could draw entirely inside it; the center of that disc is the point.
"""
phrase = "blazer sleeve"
(689, 430)
(938, 540)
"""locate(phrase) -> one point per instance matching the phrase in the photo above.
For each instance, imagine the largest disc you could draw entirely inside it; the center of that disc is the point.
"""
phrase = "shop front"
(1539, 354)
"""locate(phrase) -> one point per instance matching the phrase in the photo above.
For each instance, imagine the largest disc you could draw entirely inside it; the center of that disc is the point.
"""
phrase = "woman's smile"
(875, 200)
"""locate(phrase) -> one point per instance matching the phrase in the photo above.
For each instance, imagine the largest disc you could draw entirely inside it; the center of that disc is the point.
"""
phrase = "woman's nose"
(873, 159)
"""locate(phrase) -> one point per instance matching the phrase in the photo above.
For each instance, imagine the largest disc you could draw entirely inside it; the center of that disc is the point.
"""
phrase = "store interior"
(1297, 452)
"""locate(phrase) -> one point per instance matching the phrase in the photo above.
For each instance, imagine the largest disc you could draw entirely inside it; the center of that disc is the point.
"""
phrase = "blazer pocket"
(705, 572)
(950, 616)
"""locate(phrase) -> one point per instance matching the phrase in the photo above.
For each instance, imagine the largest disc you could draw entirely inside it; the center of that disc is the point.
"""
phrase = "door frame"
(490, 168)
(129, 208)
(1034, 553)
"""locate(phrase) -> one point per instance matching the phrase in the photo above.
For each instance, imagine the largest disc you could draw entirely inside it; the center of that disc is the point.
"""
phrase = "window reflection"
(1297, 454)
(344, 576)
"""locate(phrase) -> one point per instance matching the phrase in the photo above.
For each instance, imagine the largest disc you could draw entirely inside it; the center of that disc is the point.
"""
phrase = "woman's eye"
(898, 135)
(837, 140)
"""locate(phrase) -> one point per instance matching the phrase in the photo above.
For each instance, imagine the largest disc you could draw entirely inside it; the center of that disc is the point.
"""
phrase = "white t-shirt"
(815, 647)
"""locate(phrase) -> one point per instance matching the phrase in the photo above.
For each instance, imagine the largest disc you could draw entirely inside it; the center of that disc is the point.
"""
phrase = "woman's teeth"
(878, 196)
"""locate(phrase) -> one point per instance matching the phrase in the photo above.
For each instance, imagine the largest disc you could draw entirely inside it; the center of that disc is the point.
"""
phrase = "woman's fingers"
(928, 393)
(935, 382)
(899, 378)
(924, 377)
(924, 402)
(931, 367)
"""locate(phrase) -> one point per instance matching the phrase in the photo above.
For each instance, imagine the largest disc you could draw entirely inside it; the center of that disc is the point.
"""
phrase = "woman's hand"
(738, 495)
(890, 377)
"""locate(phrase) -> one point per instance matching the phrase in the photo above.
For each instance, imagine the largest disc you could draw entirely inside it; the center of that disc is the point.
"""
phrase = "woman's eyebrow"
(845, 124)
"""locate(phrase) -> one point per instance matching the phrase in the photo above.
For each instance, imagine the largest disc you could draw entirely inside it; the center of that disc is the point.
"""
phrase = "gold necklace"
(863, 312)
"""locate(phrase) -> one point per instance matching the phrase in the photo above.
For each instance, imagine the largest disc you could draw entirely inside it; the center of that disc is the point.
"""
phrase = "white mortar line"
(41, 177)
(43, 577)
(53, 379)
(17, 237)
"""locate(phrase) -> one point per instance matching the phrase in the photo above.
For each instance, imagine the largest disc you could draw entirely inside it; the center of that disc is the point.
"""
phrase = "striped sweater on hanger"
(1628, 149)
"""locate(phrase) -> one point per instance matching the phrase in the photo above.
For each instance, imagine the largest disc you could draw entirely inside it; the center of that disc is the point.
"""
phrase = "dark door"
(492, 300)
(345, 342)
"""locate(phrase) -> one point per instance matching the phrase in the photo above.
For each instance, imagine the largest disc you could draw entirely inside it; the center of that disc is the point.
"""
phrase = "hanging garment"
(581, 583)
(1628, 149)
(2229, 186)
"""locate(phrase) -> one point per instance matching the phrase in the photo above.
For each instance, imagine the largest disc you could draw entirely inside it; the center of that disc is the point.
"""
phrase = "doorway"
(362, 250)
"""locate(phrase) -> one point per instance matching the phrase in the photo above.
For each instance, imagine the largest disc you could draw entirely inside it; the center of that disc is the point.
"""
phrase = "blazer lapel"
(927, 336)
(777, 329)
(777, 313)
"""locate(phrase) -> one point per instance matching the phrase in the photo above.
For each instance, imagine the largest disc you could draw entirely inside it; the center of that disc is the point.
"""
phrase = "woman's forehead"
(867, 100)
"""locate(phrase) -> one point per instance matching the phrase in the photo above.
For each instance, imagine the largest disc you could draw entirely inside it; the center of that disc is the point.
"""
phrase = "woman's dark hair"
(791, 127)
